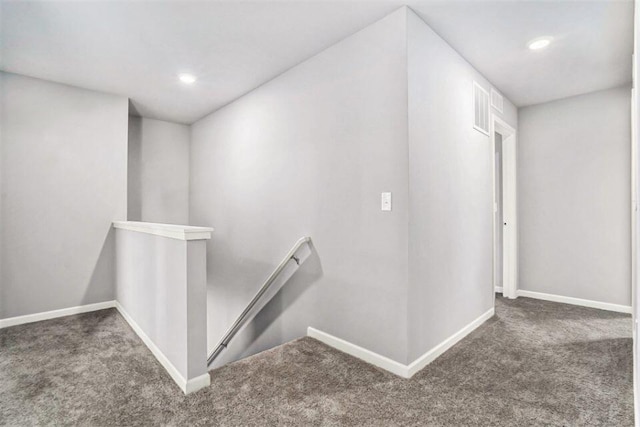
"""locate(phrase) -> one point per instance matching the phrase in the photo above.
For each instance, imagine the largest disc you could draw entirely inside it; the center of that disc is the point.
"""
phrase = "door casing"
(509, 206)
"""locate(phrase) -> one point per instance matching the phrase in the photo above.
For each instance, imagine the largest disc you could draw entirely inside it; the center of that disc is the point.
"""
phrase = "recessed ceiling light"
(539, 43)
(187, 78)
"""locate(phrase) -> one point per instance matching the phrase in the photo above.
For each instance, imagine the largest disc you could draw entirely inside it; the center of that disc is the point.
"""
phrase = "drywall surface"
(574, 177)
(64, 180)
(158, 171)
(309, 153)
(450, 195)
(160, 284)
(636, 151)
(2, 291)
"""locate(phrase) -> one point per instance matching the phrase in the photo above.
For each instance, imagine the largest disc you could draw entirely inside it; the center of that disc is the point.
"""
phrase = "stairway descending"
(283, 272)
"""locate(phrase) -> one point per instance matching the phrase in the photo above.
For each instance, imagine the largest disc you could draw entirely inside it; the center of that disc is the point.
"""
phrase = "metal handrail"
(237, 325)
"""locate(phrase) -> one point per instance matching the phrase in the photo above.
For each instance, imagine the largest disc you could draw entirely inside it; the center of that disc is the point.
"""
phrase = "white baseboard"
(195, 384)
(360, 352)
(402, 370)
(576, 301)
(445, 345)
(37, 317)
(498, 289)
(187, 387)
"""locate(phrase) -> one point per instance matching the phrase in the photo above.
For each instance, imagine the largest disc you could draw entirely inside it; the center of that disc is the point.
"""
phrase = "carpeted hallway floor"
(534, 363)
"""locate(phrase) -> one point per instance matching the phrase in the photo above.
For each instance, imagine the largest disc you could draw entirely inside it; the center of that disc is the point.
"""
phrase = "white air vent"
(497, 101)
(481, 109)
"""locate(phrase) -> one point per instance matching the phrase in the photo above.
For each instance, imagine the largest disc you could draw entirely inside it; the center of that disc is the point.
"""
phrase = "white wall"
(309, 153)
(574, 181)
(158, 171)
(450, 197)
(64, 180)
(2, 107)
(636, 144)
(161, 286)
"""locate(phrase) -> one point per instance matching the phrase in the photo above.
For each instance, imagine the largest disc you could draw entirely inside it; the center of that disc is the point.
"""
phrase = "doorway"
(505, 221)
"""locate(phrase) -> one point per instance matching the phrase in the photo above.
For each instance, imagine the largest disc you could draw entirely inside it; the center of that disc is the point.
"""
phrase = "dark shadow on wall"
(267, 329)
(134, 177)
(101, 285)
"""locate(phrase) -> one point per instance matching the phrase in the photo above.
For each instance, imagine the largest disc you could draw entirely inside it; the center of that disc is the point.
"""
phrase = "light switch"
(386, 201)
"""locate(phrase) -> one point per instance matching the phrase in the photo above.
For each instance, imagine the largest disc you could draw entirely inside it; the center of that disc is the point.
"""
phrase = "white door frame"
(509, 206)
(634, 201)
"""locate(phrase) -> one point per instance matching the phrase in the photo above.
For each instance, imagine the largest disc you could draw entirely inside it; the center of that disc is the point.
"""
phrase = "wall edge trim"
(397, 368)
(361, 353)
(445, 345)
(54, 314)
(187, 387)
(576, 301)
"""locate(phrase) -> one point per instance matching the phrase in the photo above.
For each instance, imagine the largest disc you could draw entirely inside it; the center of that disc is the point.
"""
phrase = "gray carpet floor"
(534, 363)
